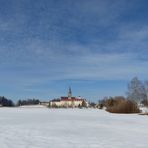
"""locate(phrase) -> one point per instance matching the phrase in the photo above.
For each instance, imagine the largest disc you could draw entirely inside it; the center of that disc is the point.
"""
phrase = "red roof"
(55, 100)
(65, 98)
(71, 99)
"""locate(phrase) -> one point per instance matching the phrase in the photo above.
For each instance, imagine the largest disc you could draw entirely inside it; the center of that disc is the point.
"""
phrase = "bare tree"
(136, 90)
(146, 88)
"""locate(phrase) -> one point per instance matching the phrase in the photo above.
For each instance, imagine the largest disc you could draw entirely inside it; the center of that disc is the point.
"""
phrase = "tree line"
(6, 102)
(9, 103)
(28, 102)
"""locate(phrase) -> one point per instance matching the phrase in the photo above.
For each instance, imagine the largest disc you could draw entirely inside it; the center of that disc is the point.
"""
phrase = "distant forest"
(9, 103)
(6, 102)
(28, 102)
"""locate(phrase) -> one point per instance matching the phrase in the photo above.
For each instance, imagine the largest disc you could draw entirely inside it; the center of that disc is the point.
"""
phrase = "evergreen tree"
(6, 102)
(28, 102)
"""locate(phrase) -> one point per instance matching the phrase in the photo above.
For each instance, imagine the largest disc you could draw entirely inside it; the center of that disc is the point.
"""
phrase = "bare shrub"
(123, 106)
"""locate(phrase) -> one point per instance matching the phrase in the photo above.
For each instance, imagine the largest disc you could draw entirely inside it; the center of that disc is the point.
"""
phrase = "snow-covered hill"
(71, 128)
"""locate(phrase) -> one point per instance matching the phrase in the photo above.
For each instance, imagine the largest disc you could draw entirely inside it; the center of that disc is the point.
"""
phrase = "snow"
(71, 128)
(32, 106)
(144, 109)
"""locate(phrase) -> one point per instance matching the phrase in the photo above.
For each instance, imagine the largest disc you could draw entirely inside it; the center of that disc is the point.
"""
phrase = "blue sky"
(95, 47)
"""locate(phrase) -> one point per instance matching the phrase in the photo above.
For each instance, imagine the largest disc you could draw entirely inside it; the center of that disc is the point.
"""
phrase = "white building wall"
(66, 103)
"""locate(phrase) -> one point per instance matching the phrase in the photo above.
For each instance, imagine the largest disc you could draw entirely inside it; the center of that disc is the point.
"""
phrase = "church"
(68, 101)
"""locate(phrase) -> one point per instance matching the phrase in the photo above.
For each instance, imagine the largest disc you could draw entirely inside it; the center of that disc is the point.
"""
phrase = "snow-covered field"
(71, 128)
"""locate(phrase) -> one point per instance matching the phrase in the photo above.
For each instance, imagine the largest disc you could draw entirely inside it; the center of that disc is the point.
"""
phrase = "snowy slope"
(71, 128)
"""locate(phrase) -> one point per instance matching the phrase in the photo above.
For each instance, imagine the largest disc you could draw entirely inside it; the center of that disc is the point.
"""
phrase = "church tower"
(69, 93)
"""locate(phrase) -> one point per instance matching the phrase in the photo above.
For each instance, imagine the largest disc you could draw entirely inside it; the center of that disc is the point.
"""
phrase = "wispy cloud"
(46, 41)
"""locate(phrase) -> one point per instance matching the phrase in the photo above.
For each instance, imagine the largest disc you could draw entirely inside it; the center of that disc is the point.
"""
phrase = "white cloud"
(86, 67)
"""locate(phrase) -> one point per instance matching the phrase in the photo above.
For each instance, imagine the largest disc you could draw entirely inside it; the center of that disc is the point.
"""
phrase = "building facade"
(68, 101)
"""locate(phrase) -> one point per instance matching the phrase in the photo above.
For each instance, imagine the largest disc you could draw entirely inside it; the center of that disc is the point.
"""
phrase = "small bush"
(100, 106)
(123, 106)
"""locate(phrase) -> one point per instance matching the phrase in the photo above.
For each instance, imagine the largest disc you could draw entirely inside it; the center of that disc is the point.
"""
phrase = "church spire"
(69, 93)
